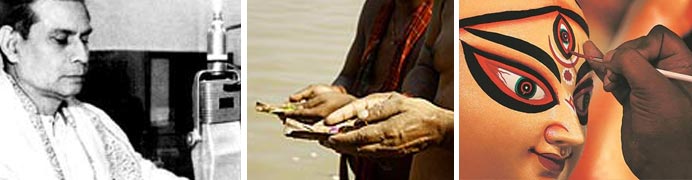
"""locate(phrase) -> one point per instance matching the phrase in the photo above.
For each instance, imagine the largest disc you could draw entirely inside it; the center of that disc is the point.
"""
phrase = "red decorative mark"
(570, 101)
(568, 75)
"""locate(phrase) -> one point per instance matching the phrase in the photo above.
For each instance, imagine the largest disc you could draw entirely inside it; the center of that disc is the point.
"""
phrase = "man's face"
(53, 58)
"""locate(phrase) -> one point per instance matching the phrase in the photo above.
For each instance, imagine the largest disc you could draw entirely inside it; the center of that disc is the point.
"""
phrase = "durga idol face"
(523, 96)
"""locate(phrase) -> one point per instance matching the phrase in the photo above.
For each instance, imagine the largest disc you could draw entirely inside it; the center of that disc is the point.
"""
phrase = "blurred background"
(613, 22)
(291, 44)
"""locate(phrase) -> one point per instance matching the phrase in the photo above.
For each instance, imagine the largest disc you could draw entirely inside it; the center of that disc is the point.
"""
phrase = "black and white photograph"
(120, 89)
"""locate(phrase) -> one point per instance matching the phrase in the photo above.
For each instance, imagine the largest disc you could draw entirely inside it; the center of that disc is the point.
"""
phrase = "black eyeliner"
(494, 91)
(521, 46)
(514, 15)
(583, 70)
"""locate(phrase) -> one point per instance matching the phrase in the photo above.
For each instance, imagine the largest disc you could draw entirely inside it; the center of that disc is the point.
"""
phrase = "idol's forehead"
(470, 8)
(550, 28)
(539, 30)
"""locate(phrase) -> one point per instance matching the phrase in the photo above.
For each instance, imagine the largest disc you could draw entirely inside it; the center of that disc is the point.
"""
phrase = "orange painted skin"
(517, 114)
(487, 144)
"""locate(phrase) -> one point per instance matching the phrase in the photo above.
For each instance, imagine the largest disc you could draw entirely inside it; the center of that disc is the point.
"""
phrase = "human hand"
(319, 106)
(657, 111)
(395, 125)
(313, 90)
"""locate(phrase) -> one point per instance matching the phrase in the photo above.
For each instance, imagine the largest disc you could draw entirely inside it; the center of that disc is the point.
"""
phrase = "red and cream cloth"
(80, 142)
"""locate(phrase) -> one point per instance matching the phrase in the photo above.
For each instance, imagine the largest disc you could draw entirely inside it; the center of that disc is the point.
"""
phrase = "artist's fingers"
(633, 59)
(365, 135)
(658, 44)
(591, 50)
(612, 81)
(674, 54)
(665, 43)
(352, 109)
(636, 69)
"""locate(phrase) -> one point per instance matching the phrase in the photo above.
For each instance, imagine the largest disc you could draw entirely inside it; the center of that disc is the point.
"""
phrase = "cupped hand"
(313, 90)
(319, 106)
(394, 125)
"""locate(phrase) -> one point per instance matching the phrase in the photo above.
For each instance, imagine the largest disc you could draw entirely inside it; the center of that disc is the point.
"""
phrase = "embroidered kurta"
(79, 142)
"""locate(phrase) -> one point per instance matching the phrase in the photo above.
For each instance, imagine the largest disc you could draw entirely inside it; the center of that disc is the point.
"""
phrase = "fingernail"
(332, 139)
(363, 114)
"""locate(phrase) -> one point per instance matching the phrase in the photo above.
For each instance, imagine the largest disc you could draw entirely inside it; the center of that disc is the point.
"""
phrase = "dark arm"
(422, 80)
(350, 69)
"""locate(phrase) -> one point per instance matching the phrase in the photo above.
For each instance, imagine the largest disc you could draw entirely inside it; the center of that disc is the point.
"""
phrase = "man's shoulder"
(98, 118)
(92, 108)
(374, 5)
(89, 111)
(370, 10)
(84, 108)
(11, 109)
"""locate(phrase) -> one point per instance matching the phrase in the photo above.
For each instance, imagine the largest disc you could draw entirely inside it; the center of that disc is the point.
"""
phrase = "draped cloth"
(88, 144)
(364, 168)
(413, 32)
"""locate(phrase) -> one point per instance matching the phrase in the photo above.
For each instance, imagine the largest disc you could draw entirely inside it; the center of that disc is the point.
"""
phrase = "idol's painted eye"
(509, 83)
(582, 98)
(522, 86)
(516, 83)
(564, 36)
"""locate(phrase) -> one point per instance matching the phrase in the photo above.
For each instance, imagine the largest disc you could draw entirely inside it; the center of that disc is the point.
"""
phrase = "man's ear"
(8, 43)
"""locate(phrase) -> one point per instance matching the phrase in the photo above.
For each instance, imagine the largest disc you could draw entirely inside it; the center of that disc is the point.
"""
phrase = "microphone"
(216, 135)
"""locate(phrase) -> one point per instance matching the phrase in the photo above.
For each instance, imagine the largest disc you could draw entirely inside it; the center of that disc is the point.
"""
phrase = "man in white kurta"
(87, 145)
(45, 132)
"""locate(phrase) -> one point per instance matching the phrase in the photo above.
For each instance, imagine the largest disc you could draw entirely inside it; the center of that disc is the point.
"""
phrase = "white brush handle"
(669, 74)
(674, 75)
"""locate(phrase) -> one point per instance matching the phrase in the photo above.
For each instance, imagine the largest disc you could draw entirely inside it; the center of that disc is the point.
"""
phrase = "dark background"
(120, 83)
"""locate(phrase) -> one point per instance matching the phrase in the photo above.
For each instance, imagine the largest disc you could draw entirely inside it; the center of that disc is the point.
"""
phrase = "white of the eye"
(511, 79)
(563, 27)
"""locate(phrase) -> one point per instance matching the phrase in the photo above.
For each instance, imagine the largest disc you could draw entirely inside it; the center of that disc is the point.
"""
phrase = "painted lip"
(551, 162)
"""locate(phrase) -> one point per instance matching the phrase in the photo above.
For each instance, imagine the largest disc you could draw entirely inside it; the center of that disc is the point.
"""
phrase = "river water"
(291, 44)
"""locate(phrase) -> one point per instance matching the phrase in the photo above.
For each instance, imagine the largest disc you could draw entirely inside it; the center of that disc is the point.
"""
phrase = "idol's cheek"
(495, 141)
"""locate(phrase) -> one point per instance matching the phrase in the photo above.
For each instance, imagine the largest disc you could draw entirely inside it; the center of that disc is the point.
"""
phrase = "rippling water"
(293, 43)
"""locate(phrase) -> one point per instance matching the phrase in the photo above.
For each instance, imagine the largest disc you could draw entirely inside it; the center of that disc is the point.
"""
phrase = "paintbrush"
(669, 74)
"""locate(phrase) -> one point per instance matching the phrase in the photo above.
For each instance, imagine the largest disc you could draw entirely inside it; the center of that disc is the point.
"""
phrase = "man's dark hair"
(20, 17)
